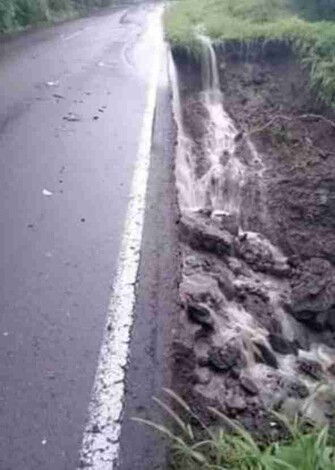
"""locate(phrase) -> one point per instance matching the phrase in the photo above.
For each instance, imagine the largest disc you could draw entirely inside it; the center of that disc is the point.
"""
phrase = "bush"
(7, 15)
(18, 13)
(315, 9)
(31, 11)
(60, 5)
(249, 21)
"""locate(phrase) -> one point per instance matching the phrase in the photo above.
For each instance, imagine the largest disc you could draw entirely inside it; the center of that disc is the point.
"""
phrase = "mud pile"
(256, 180)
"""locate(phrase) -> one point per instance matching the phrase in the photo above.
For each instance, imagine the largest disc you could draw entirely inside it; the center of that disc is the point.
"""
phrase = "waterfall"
(209, 68)
(219, 189)
(185, 177)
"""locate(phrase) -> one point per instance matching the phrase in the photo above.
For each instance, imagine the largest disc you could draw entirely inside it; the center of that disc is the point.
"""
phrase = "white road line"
(73, 35)
(101, 437)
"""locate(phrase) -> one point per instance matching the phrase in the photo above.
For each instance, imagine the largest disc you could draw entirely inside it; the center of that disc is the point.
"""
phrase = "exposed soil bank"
(257, 328)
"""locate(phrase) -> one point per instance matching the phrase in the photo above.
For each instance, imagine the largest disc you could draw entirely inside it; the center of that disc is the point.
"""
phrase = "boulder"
(229, 222)
(203, 376)
(225, 284)
(202, 234)
(311, 368)
(260, 255)
(184, 363)
(258, 305)
(331, 369)
(313, 294)
(200, 314)
(331, 319)
(265, 355)
(282, 345)
(236, 403)
(249, 386)
(296, 389)
(226, 359)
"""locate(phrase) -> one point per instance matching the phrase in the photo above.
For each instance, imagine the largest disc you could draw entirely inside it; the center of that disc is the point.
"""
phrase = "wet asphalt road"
(71, 105)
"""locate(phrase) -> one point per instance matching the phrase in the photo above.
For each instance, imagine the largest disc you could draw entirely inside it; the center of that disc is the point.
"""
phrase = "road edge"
(100, 445)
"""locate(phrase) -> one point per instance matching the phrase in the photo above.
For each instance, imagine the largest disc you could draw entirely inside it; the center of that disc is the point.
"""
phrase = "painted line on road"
(73, 35)
(100, 445)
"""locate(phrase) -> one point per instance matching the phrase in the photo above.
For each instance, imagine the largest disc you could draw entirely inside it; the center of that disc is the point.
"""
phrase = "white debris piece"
(46, 192)
(56, 83)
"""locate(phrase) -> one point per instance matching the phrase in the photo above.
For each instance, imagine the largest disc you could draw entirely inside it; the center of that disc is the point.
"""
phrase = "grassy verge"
(250, 21)
(18, 14)
(230, 446)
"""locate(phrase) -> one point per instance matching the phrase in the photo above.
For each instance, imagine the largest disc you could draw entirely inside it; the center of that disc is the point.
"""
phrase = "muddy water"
(245, 351)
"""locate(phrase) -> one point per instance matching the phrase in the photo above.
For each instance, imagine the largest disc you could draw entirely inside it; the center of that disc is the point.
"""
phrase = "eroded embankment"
(255, 168)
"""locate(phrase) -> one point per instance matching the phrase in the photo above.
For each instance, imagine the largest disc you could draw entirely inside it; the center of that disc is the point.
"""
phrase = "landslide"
(257, 323)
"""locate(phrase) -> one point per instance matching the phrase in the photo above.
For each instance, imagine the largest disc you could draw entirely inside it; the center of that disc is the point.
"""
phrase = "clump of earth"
(257, 322)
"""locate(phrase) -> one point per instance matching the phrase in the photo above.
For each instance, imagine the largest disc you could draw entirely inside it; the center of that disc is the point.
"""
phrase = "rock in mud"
(257, 253)
(265, 355)
(192, 264)
(311, 368)
(259, 77)
(331, 319)
(282, 345)
(230, 223)
(184, 363)
(296, 389)
(236, 404)
(236, 266)
(249, 386)
(258, 305)
(202, 361)
(226, 285)
(203, 235)
(331, 369)
(200, 314)
(201, 289)
(313, 294)
(203, 376)
(203, 334)
(226, 359)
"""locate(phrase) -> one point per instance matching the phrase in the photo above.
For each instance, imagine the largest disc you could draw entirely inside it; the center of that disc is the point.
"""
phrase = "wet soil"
(257, 323)
(272, 102)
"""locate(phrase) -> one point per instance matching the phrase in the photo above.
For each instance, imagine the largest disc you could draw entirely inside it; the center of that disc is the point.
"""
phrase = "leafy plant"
(19, 13)
(7, 15)
(230, 446)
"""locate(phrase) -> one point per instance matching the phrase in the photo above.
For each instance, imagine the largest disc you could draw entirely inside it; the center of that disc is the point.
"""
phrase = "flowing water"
(185, 173)
(217, 192)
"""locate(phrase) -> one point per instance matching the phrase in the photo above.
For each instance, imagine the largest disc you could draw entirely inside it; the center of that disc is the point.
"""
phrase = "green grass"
(230, 446)
(250, 21)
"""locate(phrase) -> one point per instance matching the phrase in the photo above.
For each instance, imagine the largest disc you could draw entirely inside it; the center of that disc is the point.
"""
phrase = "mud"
(257, 324)
(299, 179)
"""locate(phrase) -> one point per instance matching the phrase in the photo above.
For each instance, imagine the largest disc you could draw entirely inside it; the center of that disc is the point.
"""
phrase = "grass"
(250, 21)
(230, 446)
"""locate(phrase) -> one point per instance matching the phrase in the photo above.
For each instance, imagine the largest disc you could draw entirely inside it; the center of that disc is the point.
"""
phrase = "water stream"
(216, 193)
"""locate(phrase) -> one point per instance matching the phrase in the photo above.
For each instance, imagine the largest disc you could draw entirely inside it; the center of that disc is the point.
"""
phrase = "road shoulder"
(157, 302)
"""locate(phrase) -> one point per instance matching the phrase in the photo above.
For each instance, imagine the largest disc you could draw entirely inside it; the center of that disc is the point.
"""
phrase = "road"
(73, 100)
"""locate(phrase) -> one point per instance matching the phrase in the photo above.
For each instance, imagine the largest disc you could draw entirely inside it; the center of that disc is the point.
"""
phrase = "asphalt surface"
(72, 99)
(156, 312)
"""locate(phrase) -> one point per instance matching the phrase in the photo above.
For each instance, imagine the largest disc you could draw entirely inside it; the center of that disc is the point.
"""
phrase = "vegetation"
(298, 22)
(15, 14)
(306, 446)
